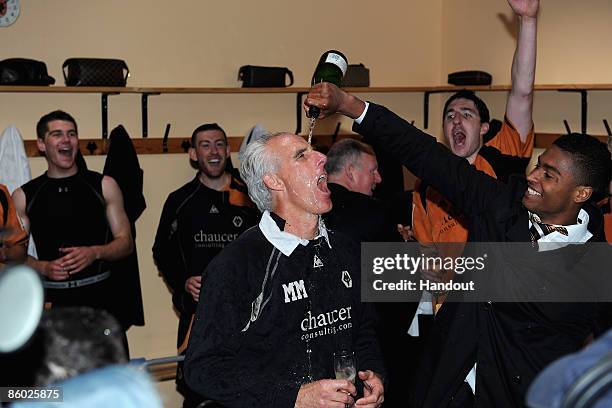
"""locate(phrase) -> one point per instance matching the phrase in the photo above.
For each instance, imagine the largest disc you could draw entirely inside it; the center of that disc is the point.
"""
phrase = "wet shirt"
(273, 310)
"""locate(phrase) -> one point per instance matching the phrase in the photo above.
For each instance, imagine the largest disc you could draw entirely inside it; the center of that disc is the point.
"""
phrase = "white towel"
(15, 166)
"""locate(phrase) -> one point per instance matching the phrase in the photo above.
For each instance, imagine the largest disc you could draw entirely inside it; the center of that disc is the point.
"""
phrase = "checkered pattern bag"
(95, 72)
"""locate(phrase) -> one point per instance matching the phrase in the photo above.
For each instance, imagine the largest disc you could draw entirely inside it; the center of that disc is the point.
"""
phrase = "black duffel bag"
(468, 78)
(260, 77)
(357, 75)
(95, 72)
(24, 71)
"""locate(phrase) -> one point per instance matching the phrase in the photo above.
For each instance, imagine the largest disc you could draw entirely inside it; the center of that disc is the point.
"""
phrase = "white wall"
(573, 47)
(203, 43)
(197, 43)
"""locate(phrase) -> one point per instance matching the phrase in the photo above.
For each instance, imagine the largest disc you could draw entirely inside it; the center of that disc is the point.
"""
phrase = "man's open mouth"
(65, 151)
(322, 183)
(459, 138)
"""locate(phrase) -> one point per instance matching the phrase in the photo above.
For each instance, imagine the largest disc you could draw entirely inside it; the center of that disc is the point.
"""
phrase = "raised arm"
(519, 107)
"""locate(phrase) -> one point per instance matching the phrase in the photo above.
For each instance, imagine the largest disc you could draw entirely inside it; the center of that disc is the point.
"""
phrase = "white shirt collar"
(576, 233)
(283, 240)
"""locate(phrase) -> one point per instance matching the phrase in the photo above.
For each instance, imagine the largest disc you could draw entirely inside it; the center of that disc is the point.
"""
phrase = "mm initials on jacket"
(294, 291)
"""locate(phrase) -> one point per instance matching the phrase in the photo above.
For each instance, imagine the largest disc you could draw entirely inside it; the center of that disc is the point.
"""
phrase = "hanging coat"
(123, 166)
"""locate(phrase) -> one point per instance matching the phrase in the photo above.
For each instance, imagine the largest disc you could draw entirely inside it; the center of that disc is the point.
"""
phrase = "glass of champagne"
(344, 365)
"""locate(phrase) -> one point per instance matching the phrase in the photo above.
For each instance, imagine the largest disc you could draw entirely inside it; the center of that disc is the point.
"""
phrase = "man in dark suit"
(352, 172)
(510, 342)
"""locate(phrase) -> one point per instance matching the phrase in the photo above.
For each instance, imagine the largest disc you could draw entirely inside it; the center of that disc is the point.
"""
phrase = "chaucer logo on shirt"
(213, 239)
(213, 210)
(328, 323)
(316, 262)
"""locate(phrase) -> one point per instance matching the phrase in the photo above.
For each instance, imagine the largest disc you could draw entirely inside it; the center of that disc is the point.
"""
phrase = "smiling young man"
(510, 342)
(552, 193)
(279, 301)
(76, 218)
(198, 220)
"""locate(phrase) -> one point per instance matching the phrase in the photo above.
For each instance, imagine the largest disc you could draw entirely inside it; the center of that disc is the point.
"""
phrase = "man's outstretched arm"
(468, 189)
(519, 107)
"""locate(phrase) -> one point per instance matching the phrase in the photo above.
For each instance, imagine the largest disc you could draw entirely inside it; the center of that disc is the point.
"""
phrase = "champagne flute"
(344, 365)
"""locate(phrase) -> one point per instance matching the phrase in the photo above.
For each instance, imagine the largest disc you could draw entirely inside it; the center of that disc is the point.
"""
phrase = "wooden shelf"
(544, 140)
(155, 145)
(180, 145)
(289, 90)
(152, 146)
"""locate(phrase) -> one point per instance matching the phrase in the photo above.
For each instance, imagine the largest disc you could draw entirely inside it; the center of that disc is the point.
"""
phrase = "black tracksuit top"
(267, 323)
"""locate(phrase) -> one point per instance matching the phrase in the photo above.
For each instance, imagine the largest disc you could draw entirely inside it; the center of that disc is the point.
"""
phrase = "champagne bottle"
(331, 68)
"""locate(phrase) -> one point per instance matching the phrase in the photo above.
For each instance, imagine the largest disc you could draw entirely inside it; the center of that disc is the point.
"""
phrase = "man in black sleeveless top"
(76, 218)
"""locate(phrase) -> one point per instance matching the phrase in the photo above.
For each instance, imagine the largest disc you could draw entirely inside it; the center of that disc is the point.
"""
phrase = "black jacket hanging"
(123, 166)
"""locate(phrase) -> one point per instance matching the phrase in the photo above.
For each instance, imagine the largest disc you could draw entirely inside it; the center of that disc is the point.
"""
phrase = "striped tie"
(543, 230)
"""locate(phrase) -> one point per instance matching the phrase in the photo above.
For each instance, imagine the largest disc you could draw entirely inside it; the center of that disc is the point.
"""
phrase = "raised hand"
(525, 8)
(330, 99)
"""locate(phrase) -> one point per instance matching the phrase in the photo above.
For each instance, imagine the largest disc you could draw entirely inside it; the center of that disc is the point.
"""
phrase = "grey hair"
(345, 152)
(76, 340)
(255, 163)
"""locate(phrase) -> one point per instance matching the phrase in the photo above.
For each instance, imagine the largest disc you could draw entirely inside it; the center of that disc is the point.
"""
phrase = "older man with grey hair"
(353, 175)
(283, 298)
